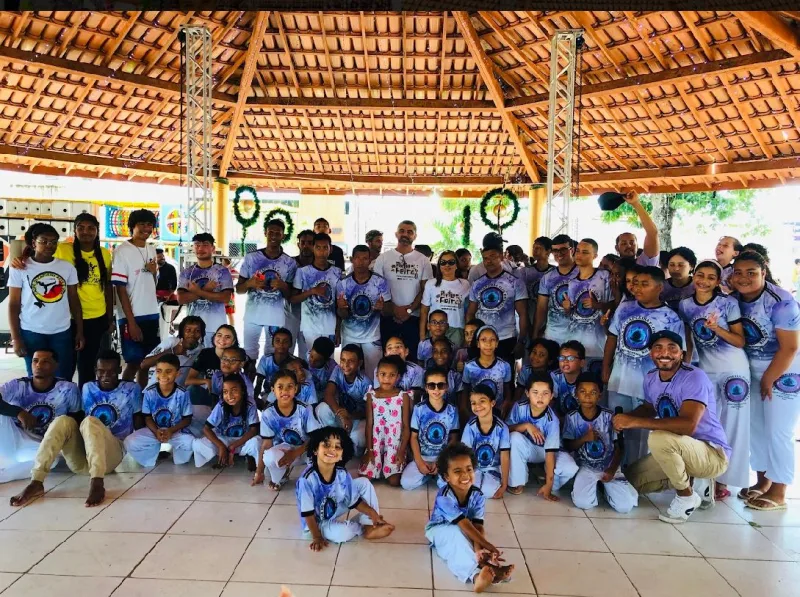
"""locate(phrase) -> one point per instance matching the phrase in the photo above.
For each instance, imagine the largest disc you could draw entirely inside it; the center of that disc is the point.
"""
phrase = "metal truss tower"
(563, 62)
(197, 112)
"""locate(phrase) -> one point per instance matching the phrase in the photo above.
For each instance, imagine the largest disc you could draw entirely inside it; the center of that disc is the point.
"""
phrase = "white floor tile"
(643, 537)
(375, 564)
(57, 514)
(786, 538)
(297, 564)
(168, 487)
(500, 530)
(757, 579)
(384, 592)
(237, 488)
(731, 542)
(668, 576)
(150, 587)
(409, 526)
(583, 574)
(520, 582)
(188, 558)
(531, 504)
(557, 532)
(213, 518)
(20, 550)
(249, 589)
(6, 578)
(167, 467)
(11, 489)
(138, 516)
(395, 497)
(78, 486)
(282, 522)
(35, 585)
(98, 554)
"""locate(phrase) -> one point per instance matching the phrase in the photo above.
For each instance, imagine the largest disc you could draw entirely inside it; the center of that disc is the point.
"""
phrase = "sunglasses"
(439, 385)
(568, 359)
(447, 262)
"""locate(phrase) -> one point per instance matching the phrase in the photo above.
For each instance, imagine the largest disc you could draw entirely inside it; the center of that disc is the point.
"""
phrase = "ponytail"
(81, 265)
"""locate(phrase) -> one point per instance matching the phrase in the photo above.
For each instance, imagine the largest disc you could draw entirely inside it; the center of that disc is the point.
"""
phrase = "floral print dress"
(387, 421)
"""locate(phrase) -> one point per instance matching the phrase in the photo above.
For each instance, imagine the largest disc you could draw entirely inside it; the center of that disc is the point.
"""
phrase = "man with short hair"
(305, 256)
(728, 248)
(532, 274)
(206, 287)
(28, 406)
(374, 241)
(550, 313)
(627, 245)
(95, 447)
(406, 271)
(167, 276)
(133, 274)
(479, 269)
(686, 438)
(322, 226)
(266, 277)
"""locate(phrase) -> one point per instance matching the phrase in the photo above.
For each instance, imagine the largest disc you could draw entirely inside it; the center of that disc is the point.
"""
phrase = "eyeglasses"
(568, 359)
(447, 262)
(437, 322)
(47, 243)
(230, 360)
(439, 385)
(561, 251)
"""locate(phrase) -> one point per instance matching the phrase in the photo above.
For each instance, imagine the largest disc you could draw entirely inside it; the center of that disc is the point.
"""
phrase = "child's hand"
(460, 366)
(347, 422)
(222, 456)
(589, 436)
(377, 519)
(605, 317)
(566, 304)
(608, 476)
(712, 322)
(536, 435)
(500, 491)
(424, 467)
(318, 544)
(288, 458)
(378, 305)
(163, 435)
(258, 478)
(368, 457)
(341, 302)
(546, 492)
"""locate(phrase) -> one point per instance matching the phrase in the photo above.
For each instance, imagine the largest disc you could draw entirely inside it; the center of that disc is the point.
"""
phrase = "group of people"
(632, 376)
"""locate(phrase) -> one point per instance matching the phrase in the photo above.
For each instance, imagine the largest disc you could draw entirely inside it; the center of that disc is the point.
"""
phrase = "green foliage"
(450, 231)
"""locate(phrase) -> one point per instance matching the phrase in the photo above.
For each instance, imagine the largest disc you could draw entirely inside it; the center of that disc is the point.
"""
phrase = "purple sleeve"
(544, 285)
(225, 280)
(697, 388)
(786, 316)
(614, 325)
(520, 290)
(247, 266)
(644, 260)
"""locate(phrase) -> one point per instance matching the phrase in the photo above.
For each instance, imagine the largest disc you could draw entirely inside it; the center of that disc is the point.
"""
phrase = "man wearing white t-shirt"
(406, 271)
(627, 245)
(133, 274)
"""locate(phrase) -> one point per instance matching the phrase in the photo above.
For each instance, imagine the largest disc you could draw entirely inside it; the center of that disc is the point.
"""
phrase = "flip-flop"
(515, 490)
(748, 494)
(773, 506)
(721, 494)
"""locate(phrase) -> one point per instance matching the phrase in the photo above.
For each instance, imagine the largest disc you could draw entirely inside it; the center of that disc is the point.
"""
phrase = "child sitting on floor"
(285, 425)
(168, 414)
(326, 492)
(456, 529)
(231, 428)
(535, 438)
(387, 425)
(590, 436)
(489, 438)
(434, 423)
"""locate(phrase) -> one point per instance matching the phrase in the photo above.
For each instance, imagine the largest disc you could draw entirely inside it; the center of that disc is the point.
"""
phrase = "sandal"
(516, 490)
(285, 479)
(721, 494)
(772, 507)
(748, 494)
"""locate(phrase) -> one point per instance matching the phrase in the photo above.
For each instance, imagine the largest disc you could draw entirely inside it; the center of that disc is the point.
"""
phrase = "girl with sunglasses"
(446, 293)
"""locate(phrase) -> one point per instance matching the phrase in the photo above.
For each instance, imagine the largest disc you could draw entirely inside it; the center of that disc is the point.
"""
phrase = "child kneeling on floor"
(590, 436)
(326, 492)
(456, 530)
(231, 428)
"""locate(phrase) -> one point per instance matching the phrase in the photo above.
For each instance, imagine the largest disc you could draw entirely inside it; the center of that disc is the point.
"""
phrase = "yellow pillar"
(538, 199)
(219, 213)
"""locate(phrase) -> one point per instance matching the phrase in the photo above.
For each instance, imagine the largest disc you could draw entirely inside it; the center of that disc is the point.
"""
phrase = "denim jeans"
(61, 342)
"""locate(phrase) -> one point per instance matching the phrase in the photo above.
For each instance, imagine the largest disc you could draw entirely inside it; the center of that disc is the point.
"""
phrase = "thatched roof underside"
(397, 103)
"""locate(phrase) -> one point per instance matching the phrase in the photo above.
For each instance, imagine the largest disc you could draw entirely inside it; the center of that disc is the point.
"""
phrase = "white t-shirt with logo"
(128, 268)
(450, 297)
(45, 306)
(404, 273)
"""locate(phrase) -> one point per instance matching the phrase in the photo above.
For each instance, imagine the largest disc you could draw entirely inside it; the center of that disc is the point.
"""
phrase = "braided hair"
(81, 265)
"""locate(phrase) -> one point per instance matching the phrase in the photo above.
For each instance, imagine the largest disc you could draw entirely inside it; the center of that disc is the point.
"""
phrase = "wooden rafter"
(21, 118)
(490, 20)
(108, 120)
(143, 124)
(170, 38)
(775, 28)
(253, 50)
(119, 39)
(67, 35)
(485, 67)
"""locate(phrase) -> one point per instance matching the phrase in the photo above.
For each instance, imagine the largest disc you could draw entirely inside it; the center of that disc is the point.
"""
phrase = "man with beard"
(374, 240)
(305, 246)
(405, 271)
(627, 245)
(206, 287)
(686, 438)
(550, 313)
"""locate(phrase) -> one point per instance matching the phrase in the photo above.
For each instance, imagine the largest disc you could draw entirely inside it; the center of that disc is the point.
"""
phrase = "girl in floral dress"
(387, 425)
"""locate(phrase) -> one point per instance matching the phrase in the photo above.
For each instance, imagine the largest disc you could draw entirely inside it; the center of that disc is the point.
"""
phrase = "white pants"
(735, 418)
(620, 494)
(143, 446)
(452, 546)
(200, 414)
(413, 478)
(373, 352)
(205, 450)
(524, 451)
(327, 418)
(293, 325)
(488, 482)
(772, 424)
(252, 337)
(17, 450)
(635, 439)
(341, 531)
(271, 459)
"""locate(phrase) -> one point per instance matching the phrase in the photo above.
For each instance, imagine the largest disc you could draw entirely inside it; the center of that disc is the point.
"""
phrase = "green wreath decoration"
(505, 198)
(287, 219)
(466, 215)
(246, 222)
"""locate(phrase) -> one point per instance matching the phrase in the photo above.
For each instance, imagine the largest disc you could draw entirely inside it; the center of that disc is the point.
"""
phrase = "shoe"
(681, 508)
(705, 489)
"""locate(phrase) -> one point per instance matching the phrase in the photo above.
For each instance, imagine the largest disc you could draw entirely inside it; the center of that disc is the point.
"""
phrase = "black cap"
(493, 241)
(666, 334)
(610, 200)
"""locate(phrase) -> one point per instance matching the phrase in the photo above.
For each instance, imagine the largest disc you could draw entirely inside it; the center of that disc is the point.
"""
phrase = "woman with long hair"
(448, 293)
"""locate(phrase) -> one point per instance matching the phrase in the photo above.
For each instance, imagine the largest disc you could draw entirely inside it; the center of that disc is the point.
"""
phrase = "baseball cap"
(372, 234)
(493, 241)
(668, 335)
(610, 200)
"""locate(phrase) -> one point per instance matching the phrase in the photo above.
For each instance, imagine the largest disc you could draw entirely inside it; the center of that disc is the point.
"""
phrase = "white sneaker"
(705, 489)
(681, 508)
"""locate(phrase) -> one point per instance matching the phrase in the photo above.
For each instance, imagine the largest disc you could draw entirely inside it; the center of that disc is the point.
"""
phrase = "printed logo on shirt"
(445, 299)
(268, 275)
(44, 415)
(492, 298)
(485, 455)
(235, 430)
(594, 451)
(107, 413)
(666, 407)
(568, 403)
(580, 309)
(324, 300)
(788, 383)
(291, 437)
(701, 332)
(636, 336)
(435, 433)
(162, 417)
(327, 509)
(361, 306)
(736, 390)
(754, 335)
(405, 271)
(48, 288)
(560, 293)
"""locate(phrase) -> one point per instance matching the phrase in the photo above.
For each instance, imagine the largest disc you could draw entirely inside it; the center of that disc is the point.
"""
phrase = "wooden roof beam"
(117, 41)
(372, 104)
(253, 50)
(487, 74)
(773, 27)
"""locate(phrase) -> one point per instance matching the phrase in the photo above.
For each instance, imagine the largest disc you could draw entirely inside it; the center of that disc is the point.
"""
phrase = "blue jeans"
(60, 342)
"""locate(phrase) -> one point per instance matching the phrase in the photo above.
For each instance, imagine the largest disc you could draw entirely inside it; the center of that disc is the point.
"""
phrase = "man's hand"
(378, 305)
(27, 420)
(631, 197)
(546, 491)
(19, 347)
(341, 302)
(401, 313)
(151, 266)
(80, 341)
(18, 263)
(622, 422)
(134, 331)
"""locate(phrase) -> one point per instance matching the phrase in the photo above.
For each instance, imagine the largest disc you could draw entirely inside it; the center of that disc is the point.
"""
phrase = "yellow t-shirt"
(90, 293)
